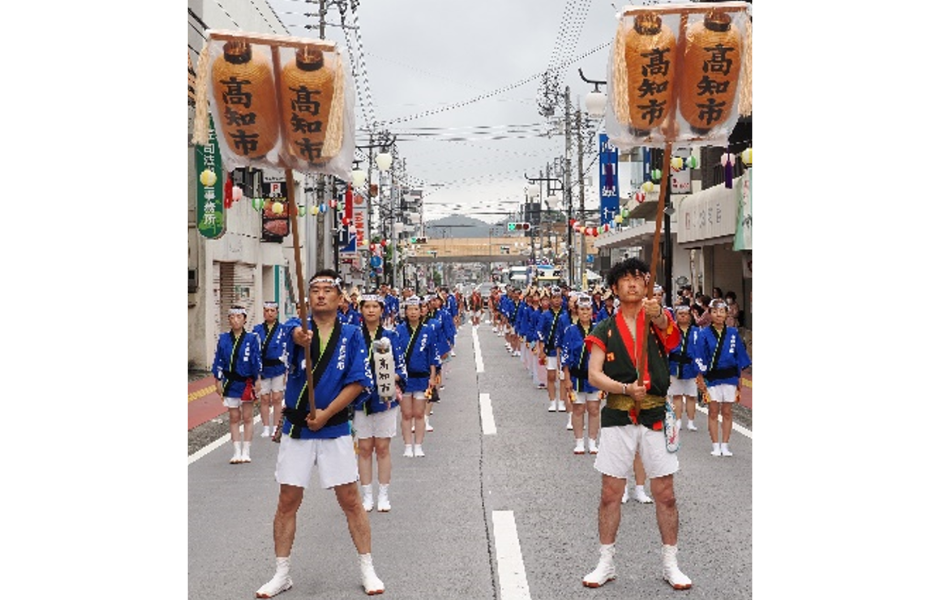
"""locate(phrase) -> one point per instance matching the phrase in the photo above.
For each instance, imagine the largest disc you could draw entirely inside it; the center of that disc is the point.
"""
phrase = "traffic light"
(517, 226)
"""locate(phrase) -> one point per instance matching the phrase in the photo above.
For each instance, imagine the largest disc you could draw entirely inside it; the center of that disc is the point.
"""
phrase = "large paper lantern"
(246, 100)
(648, 51)
(710, 73)
(308, 89)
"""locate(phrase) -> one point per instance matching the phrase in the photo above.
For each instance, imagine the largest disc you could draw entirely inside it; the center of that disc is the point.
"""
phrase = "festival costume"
(720, 357)
(341, 363)
(419, 355)
(575, 355)
(369, 401)
(237, 363)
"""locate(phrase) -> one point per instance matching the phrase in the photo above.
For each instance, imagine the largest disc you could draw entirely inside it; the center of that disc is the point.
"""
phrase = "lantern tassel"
(201, 119)
(619, 87)
(333, 140)
(744, 91)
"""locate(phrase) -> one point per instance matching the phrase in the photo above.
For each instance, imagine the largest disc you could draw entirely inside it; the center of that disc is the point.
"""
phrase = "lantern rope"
(744, 97)
(201, 119)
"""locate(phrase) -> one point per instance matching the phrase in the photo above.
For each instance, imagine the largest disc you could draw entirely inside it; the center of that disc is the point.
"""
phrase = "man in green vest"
(632, 419)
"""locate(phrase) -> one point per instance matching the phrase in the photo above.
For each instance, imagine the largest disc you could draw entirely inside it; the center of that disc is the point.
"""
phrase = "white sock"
(238, 448)
(716, 446)
(283, 565)
(246, 448)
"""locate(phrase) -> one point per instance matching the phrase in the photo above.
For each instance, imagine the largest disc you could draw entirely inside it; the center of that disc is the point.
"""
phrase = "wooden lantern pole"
(671, 131)
(302, 291)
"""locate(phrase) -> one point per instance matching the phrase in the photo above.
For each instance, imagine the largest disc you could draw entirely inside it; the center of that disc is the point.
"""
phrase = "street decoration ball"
(208, 178)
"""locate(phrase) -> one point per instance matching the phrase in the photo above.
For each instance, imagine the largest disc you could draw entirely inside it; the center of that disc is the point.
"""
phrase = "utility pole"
(570, 274)
(581, 199)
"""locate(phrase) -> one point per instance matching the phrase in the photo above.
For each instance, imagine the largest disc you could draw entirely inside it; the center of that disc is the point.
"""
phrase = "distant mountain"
(461, 226)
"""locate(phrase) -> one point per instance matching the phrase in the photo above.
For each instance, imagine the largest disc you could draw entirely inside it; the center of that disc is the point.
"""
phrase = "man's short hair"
(631, 266)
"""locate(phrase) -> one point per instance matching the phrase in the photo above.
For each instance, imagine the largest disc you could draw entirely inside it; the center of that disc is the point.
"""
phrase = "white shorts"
(618, 445)
(377, 425)
(477, 314)
(723, 393)
(682, 387)
(335, 460)
(234, 402)
(274, 384)
(551, 363)
(582, 397)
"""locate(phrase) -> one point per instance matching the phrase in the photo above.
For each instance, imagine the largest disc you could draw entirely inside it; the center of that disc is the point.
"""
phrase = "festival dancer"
(321, 438)
(632, 419)
(551, 327)
(421, 361)
(376, 419)
(236, 367)
(682, 370)
(273, 339)
(721, 356)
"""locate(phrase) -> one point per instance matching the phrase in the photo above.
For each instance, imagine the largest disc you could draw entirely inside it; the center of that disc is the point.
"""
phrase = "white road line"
(486, 415)
(512, 580)
(225, 439)
(734, 426)
(476, 351)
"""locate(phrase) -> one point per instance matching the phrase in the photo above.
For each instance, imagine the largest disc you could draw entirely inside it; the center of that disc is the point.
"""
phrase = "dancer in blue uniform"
(721, 356)
(552, 325)
(236, 367)
(273, 338)
(321, 438)
(683, 371)
(376, 419)
(574, 360)
(421, 361)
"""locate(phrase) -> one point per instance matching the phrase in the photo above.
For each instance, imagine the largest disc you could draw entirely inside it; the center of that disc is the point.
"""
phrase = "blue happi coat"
(235, 370)
(681, 360)
(273, 348)
(575, 356)
(369, 400)
(551, 336)
(719, 363)
(346, 365)
(423, 354)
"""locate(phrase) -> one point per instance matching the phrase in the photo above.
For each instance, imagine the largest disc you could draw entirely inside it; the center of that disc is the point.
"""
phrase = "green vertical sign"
(210, 207)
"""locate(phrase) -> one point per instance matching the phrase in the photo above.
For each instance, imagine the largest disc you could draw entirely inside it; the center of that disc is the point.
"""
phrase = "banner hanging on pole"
(609, 180)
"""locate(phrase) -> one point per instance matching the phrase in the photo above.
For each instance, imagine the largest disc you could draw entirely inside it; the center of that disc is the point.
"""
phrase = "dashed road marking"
(513, 584)
(486, 415)
(477, 354)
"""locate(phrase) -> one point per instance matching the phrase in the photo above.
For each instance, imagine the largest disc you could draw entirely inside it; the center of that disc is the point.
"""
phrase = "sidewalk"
(204, 402)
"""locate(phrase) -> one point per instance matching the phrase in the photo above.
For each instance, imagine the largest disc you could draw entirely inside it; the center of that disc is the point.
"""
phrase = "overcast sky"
(422, 55)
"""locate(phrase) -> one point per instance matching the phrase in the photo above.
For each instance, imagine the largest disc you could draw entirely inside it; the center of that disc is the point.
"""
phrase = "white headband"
(411, 301)
(238, 311)
(371, 298)
(270, 304)
(335, 282)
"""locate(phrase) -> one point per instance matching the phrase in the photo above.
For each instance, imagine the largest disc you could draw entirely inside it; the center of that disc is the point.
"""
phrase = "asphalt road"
(504, 515)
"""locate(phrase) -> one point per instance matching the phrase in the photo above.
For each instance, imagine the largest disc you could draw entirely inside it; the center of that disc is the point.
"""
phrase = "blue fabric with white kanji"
(575, 356)
(724, 365)
(549, 336)
(423, 356)
(350, 317)
(274, 357)
(681, 360)
(234, 371)
(372, 397)
(347, 365)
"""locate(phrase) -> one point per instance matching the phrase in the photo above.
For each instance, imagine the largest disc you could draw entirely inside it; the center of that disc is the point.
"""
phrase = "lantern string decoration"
(277, 208)
(691, 162)
(677, 163)
(727, 161)
(208, 178)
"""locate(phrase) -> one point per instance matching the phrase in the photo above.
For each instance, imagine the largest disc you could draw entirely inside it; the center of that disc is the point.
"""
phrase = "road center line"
(486, 415)
(477, 354)
(512, 580)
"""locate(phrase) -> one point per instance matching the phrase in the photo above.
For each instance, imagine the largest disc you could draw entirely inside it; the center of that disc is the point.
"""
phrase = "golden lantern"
(246, 100)
(645, 76)
(712, 63)
(308, 89)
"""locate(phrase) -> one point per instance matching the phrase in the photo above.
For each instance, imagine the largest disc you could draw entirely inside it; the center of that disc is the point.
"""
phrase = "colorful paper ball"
(691, 162)
(640, 197)
(257, 203)
(323, 208)
(277, 208)
(618, 219)
(332, 203)
(647, 186)
(315, 210)
(208, 178)
(677, 163)
(747, 156)
(301, 210)
(345, 220)
(656, 175)
(237, 193)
